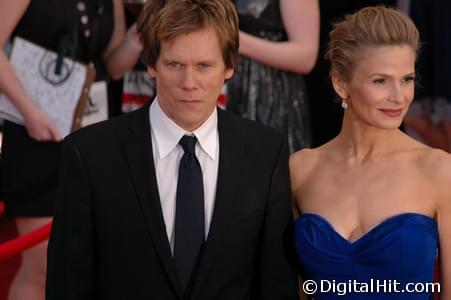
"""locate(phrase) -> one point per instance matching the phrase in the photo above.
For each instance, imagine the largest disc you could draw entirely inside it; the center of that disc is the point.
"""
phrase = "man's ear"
(340, 87)
(228, 73)
(151, 71)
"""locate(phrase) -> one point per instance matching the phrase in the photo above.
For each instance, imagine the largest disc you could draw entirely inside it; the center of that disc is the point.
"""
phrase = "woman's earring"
(344, 105)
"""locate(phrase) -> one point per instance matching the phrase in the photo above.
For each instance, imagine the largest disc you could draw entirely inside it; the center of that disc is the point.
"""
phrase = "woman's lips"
(392, 112)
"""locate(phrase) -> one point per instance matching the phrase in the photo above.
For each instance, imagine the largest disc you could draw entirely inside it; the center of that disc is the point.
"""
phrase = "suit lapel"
(137, 146)
(231, 150)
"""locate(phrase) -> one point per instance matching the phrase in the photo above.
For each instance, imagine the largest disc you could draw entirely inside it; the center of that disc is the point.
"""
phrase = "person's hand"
(40, 127)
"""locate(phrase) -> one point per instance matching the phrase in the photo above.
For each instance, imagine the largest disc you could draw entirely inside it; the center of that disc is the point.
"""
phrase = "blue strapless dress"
(401, 248)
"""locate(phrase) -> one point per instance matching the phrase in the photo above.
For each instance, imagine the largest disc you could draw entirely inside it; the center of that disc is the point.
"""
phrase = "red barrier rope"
(18, 245)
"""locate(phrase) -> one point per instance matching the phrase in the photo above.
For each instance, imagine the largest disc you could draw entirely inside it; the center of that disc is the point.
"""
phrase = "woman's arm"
(443, 179)
(124, 48)
(297, 178)
(38, 124)
(298, 54)
(444, 224)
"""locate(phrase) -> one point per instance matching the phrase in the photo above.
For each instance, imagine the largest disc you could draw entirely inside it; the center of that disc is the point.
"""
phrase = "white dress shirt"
(167, 154)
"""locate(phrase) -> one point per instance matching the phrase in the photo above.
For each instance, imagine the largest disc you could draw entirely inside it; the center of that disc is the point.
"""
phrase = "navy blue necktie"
(189, 212)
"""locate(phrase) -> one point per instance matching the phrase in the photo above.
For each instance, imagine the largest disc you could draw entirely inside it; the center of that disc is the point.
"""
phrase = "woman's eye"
(409, 79)
(379, 81)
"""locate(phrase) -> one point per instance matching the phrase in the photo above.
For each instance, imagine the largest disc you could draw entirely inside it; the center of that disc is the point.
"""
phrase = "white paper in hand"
(31, 63)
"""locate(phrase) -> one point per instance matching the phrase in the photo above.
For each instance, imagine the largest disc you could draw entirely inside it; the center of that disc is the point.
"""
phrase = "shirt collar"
(168, 134)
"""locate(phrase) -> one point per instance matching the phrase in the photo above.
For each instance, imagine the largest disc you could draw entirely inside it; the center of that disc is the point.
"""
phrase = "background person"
(31, 153)
(278, 43)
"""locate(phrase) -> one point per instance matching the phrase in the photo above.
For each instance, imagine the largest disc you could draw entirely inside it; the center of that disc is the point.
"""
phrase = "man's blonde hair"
(163, 20)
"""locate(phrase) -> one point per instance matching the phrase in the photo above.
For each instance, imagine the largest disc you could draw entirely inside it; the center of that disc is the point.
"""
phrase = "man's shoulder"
(249, 129)
(108, 130)
(262, 143)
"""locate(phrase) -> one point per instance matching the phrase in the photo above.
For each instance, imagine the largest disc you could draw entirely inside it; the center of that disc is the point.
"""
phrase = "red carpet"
(7, 268)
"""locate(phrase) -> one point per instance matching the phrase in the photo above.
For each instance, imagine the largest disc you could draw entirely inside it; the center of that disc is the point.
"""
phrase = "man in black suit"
(179, 199)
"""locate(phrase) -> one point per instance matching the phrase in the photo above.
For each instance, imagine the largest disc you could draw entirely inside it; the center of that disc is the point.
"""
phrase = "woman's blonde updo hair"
(369, 27)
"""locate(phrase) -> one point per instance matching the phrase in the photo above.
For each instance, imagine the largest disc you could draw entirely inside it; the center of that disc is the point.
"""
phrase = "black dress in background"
(259, 92)
(433, 94)
(30, 169)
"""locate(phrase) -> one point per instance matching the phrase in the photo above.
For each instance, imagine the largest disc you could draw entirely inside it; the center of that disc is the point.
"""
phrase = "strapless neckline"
(371, 232)
(402, 247)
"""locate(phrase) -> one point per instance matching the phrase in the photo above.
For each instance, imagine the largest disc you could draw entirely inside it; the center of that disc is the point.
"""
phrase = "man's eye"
(174, 65)
(203, 66)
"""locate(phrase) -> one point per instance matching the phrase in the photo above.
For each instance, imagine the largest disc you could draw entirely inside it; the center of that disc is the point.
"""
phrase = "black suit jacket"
(109, 239)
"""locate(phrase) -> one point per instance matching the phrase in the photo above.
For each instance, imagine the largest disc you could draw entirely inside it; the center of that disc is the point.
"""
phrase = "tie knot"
(188, 142)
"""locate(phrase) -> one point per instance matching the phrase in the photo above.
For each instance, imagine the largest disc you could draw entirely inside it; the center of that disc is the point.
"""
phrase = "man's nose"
(188, 80)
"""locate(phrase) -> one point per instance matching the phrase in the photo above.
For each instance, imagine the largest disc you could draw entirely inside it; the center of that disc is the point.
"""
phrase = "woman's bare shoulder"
(432, 162)
(439, 167)
(304, 162)
(303, 157)
(436, 163)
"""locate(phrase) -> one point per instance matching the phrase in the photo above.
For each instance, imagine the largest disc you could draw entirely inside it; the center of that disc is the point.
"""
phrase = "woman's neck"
(360, 143)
